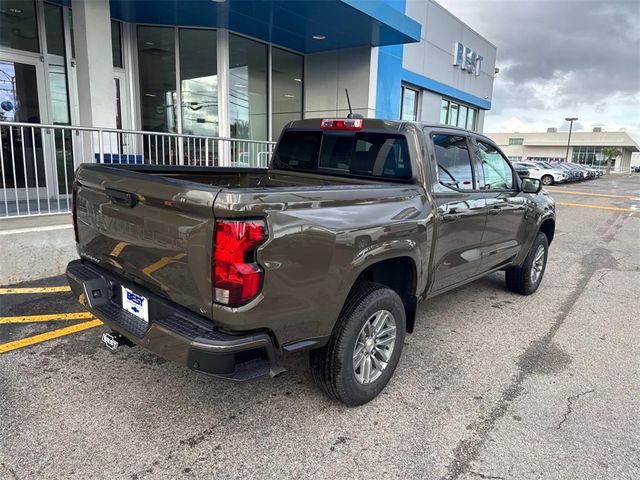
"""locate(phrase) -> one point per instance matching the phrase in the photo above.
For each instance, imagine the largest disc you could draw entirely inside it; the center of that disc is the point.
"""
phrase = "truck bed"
(154, 225)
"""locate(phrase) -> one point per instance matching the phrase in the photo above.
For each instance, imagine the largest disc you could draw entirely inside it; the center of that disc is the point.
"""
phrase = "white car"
(547, 176)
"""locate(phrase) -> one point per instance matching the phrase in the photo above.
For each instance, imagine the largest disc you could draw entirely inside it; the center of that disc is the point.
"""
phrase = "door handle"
(495, 210)
(119, 197)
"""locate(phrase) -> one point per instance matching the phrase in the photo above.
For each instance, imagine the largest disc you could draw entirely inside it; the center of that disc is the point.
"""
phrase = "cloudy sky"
(560, 58)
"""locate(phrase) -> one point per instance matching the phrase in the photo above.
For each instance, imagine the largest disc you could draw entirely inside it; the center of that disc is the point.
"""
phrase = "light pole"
(570, 120)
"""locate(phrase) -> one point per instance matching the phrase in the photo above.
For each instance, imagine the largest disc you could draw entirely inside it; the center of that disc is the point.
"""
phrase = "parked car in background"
(548, 176)
(574, 172)
(591, 173)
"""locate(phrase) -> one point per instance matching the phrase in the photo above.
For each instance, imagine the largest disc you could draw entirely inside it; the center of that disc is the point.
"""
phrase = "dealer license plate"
(135, 304)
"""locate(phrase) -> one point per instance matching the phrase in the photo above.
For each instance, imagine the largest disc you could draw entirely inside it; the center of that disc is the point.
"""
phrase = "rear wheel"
(365, 346)
(547, 180)
(525, 279)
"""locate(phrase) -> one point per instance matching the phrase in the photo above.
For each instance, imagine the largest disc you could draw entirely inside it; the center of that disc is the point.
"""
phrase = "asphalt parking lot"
(491, 384)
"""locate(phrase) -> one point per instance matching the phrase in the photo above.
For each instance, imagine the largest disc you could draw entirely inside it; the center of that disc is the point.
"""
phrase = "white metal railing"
(38, 161)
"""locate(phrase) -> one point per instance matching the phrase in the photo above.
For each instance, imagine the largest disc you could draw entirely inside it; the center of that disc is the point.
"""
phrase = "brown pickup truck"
(330, 249)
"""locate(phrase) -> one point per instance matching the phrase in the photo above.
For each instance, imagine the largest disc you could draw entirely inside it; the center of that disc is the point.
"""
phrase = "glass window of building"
(56, 55)
(199, 81)
(287, 79)
(462, 116)
(444, 111)
(457, 115)
(471, 119)
(453, 114)
(516, 141)
(157, 66)
(18, 25)
(248, 89)
(116, 44)
(409, 105)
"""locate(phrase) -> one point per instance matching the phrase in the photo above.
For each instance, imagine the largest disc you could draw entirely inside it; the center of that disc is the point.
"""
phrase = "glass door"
(27, 176)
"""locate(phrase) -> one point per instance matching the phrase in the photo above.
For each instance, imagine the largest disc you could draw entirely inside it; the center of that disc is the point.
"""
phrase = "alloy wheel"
(374, 347)
(538, 264)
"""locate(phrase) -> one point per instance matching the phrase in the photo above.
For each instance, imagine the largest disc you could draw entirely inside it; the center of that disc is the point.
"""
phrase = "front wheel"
(547, 180)
(365, 346)
(525, 279)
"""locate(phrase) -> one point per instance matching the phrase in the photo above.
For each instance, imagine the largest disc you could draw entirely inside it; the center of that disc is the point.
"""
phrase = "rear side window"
(345, 153)
(454, 161)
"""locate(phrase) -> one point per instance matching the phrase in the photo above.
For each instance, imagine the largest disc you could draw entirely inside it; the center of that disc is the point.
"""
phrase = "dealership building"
(208, 82)
(239, 69)
(583, 147)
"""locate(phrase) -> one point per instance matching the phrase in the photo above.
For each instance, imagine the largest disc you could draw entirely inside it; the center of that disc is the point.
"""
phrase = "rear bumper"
(173, 332)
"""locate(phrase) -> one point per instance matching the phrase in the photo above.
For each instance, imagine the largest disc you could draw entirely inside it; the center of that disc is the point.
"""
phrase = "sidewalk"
(35, 247)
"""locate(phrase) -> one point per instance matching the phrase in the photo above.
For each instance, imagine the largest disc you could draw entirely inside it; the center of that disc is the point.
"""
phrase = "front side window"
(497, 172)
(454, 161)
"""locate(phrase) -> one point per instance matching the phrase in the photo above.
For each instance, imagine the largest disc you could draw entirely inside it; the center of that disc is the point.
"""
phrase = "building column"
(94, 63)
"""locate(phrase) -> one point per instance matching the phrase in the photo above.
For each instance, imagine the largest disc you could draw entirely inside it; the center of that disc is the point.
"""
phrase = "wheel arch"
(548, 227)
(400, 274)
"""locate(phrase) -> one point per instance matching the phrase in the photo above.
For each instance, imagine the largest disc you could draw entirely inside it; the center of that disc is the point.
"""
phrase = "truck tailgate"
(155, 231)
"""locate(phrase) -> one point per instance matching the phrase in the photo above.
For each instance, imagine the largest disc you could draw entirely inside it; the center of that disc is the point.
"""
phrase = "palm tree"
(610, 153)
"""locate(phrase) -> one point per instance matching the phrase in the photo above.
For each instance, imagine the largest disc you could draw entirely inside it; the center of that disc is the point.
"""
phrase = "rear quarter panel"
(320, 240)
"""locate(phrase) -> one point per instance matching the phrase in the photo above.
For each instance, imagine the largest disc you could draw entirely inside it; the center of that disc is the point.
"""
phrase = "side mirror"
(531, 185)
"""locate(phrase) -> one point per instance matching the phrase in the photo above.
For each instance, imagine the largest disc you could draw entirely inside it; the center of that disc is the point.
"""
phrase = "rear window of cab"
(368, 154)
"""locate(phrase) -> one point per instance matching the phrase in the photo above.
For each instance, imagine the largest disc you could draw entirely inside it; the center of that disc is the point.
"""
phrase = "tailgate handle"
(125, 199)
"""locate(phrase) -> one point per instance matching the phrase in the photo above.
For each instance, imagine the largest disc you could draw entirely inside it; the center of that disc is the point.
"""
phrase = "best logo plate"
(135, 304)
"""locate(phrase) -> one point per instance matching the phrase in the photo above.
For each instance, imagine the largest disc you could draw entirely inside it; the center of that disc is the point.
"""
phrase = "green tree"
(610, 153)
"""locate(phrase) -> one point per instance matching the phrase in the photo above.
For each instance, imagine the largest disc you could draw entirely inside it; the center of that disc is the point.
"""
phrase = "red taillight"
(74, 210)
(237, 277)
(342, 124)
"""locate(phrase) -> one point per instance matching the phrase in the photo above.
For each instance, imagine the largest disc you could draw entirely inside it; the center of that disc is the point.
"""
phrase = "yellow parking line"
(45, 318)
(163, 262)
(117, 250)
(588, 194)
(8, 291)
(598, 207)
(43, 337)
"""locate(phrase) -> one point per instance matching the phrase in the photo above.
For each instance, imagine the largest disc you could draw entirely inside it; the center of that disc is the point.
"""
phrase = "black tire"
(547, 180)
(332, 366)
(519, 279)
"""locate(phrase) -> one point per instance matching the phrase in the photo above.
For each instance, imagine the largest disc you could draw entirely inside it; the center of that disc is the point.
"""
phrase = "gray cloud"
(559, 54)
